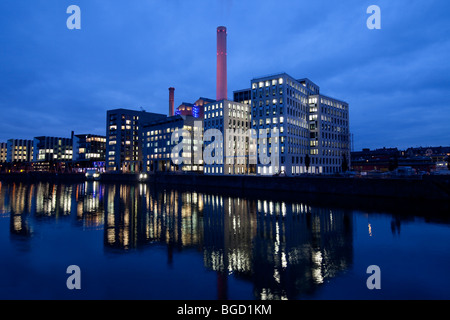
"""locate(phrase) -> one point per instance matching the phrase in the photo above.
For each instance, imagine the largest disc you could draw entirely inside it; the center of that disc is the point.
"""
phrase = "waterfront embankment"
(422, 188)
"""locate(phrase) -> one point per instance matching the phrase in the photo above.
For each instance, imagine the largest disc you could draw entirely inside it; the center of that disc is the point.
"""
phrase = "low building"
(52, 154)
(89, 152)
(3, 151)
(19, 150)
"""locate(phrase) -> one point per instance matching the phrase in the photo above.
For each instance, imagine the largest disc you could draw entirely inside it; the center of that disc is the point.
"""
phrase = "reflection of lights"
(370, 230)
(17, 223)
(317, 270)
(283, 209)
(276, 276)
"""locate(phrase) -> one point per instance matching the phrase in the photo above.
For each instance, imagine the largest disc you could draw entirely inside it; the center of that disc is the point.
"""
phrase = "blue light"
(196, 111)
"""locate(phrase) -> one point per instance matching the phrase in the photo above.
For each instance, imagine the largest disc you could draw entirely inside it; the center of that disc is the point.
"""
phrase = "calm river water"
(146, 242)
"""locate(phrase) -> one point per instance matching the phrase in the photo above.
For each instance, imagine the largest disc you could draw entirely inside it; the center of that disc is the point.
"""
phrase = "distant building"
(389, 159)
(52, 153)
(437, 154)
(195, 109)
(243, 96)
(19, 150)
(158, 146)
(89, 151)
(232, 120)
(47, 149)
(123, 139)
(3, 151)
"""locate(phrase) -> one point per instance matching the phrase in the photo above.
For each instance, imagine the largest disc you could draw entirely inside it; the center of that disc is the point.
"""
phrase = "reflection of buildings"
(4, 200)
(20, 196)
(298, 247)
(52, 200)
(90, 206)
(286, 250)
(135, 215)
(23, 202)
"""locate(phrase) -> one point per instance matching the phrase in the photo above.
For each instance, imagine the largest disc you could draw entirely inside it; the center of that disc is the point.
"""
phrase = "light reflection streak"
(283, 248)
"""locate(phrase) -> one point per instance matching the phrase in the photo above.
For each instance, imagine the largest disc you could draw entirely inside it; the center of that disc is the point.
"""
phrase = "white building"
(313, 129)
(232, 122)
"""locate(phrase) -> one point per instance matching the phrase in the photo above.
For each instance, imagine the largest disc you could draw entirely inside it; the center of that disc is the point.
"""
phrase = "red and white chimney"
(221, 81)
(171, 101)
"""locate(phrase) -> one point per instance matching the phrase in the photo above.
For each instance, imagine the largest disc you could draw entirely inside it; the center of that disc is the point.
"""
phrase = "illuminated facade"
(232, 120)
(123, 140)
(195, 109)
(89, 147)
(19, 150)
(48, 149)
(3, 151)
(313, 129)
(157, 144)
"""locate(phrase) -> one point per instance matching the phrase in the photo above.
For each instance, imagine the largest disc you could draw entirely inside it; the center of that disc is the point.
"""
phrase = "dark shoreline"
(434, 188)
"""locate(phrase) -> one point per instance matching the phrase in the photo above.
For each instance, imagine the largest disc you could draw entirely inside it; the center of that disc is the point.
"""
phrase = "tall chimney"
(221, 81)
(171, 101)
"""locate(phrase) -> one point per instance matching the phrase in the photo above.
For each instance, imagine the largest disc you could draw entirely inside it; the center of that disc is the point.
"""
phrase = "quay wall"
(426, 187)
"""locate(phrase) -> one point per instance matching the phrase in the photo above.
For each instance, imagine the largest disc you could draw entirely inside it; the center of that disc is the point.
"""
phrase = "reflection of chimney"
(221, 84)
(171, 101)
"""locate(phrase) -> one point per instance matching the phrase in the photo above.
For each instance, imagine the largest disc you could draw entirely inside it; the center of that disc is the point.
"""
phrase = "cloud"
(127, 54)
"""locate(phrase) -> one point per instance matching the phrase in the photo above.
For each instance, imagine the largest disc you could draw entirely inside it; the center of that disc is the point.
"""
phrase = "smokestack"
(221, 81)
(171, 101)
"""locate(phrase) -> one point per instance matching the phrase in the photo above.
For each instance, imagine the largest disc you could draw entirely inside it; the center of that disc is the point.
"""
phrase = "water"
(146, 242)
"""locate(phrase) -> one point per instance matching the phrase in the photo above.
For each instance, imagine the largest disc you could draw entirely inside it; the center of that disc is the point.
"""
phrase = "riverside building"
(3, 151)
(232, 152)
(169, 144)
(313, 128)
(19, 150)
(123, 139)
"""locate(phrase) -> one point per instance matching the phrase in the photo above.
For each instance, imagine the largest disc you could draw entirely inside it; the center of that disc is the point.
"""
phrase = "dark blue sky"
(128, 53)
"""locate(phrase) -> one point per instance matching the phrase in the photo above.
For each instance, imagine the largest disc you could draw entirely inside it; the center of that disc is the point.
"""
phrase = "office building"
(177, 134)
(89, 151)
(89, 147)
(232, 154)
(329, 134)
(19, 150)
(51, 149)
(3, 151)
(123, 139)
(313, 128)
